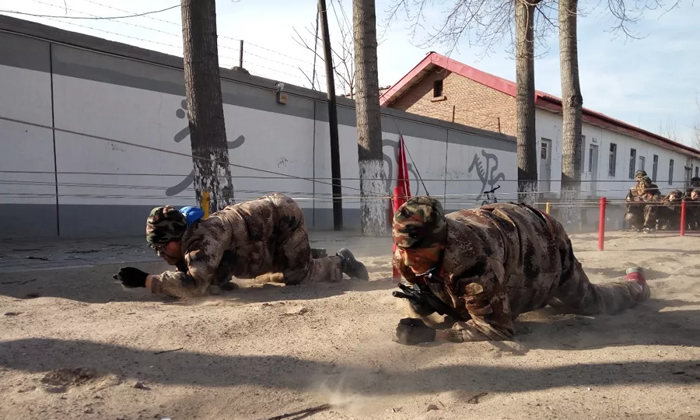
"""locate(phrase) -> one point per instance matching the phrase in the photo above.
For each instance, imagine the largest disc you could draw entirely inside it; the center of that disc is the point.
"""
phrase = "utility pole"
(332, 119)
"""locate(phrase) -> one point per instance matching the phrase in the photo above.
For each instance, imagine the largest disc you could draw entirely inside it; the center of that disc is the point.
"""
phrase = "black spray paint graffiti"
(391, 161)
(181, 135)
(486, 176)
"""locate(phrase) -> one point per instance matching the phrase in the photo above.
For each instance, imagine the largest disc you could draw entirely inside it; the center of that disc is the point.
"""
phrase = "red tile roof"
(542, 100)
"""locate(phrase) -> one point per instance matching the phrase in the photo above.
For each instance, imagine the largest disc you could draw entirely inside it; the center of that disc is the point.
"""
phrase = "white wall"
(615, 187)
(108, 173)
(25, 95)
(273, 147)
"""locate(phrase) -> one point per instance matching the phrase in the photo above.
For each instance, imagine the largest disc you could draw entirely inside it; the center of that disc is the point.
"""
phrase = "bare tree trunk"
(205, 108)
(369, 128)
(525, 101)
(572, 108)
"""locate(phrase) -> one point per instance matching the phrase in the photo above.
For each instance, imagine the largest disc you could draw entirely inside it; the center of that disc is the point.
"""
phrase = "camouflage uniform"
(634, 213)
(641, 215)
(650, 193)
(245, 240)
(692, 213)
(500, 261)
(669, 213)
(694, 184)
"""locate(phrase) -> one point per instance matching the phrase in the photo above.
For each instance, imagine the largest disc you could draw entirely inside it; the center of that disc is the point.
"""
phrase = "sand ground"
(75, 345)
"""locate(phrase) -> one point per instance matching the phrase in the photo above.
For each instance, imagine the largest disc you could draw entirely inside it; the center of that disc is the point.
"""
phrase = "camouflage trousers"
(640, 216)
(292, 256)
(577, 295)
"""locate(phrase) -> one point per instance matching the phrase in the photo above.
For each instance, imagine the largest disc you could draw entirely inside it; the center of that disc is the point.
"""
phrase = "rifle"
(422, 295)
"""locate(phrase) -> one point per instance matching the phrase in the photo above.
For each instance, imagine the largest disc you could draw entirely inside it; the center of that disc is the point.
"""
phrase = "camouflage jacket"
(674, 199)
(500, 260)
(640, 193)
(239, 241)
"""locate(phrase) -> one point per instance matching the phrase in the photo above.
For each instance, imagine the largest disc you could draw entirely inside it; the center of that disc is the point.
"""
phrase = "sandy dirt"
(75, 345)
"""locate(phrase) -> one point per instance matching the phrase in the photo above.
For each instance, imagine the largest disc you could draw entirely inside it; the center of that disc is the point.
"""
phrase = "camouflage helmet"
(677, 194)
(640, 174)
(164, 224)
(695, 191)
(419, 223)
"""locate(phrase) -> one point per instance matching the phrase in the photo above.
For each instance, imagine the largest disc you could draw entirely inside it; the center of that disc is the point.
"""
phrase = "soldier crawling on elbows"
(245, 240)
(491, 264)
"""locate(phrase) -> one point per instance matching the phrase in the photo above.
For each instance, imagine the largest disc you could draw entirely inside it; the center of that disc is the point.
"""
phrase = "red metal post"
(601, 225)
(683, 205)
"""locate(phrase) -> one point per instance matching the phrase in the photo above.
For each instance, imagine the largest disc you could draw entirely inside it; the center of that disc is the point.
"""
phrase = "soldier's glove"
(131, 277)
(412, 331)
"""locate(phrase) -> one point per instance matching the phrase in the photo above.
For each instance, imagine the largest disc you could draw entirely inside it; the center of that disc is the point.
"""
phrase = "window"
(612, 162)
(696, 171)
(655, 168)
(633, 161)
(670, 172)
(642, 159)
(582, 152)
(590, 159)
(437, 88)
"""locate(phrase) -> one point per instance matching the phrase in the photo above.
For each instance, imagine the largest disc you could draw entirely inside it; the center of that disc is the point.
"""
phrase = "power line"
(286, 63)
(276, 52)
(221, 46)
(135, 25)
(223, 57)
(180, 25)
(128, 11)
(133, 37)
(116, 33)
(151, 174)
(172, 152)
(123, 23)
(90, 18)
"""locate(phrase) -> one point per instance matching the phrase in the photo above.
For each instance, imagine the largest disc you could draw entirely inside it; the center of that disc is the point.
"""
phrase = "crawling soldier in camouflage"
(492, 264)
(245, 240)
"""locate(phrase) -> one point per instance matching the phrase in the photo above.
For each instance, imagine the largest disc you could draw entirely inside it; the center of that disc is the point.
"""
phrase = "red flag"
(402, 178)
(402, 191)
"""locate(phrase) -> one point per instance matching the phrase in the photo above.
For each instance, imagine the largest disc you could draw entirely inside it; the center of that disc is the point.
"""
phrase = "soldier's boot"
(351, 266)
(636, 275)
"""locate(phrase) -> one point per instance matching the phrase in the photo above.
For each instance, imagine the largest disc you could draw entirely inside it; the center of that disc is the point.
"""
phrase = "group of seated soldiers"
(648, 210)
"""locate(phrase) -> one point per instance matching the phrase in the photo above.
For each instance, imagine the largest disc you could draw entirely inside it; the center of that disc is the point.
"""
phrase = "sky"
(652, 82)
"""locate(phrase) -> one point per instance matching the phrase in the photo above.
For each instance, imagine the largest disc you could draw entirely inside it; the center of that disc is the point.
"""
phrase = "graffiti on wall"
(487, 175)
(390, 159)
(486, 167)
(181, 113)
